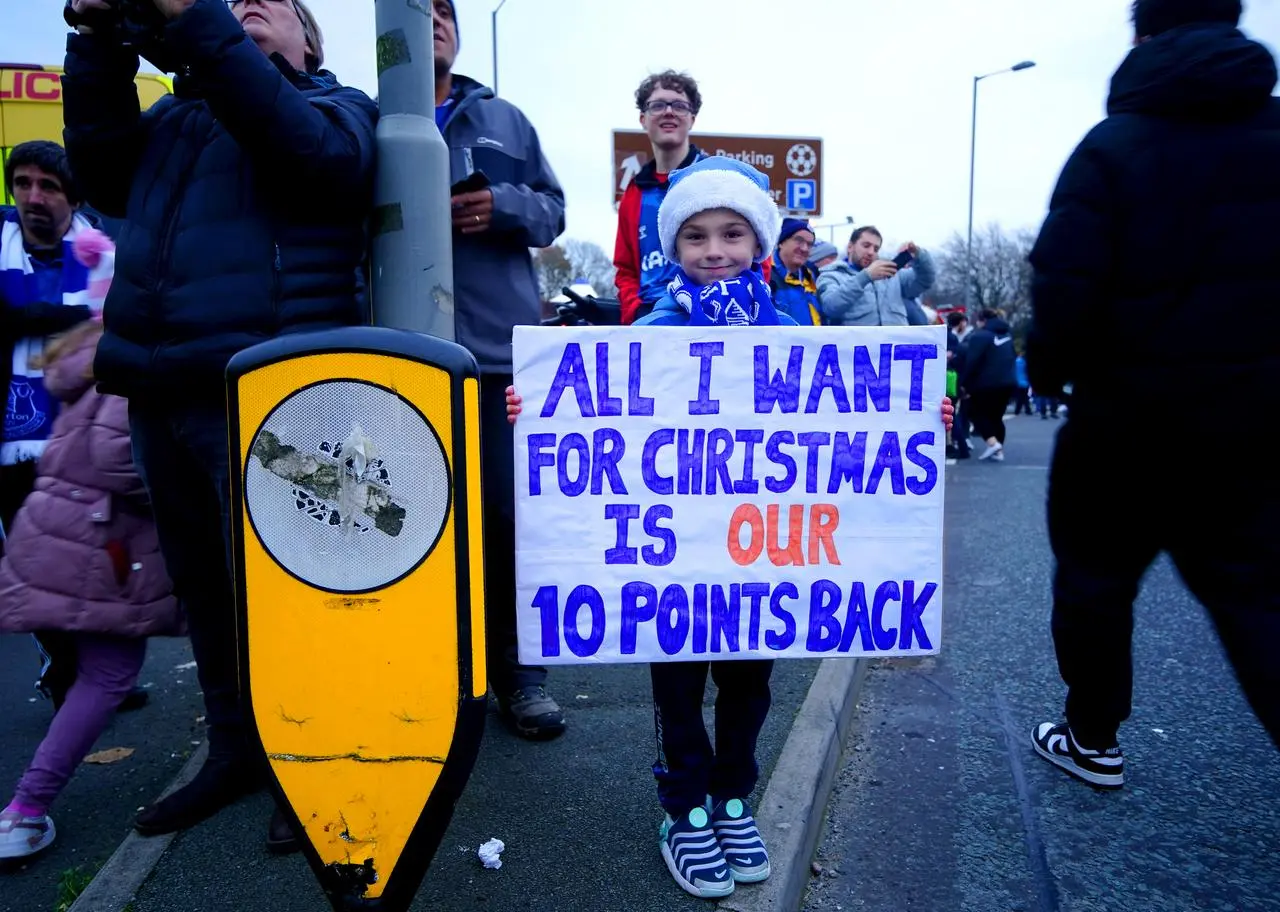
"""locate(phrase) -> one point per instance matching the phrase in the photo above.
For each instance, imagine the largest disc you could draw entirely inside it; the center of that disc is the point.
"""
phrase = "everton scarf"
(743, 301)
(29, 411)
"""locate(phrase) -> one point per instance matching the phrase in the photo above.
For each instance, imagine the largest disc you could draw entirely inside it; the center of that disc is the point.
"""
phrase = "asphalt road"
(941, 803)
(96, 810)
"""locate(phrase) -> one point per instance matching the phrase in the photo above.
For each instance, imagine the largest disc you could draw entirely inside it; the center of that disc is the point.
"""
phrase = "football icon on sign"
(801, 160)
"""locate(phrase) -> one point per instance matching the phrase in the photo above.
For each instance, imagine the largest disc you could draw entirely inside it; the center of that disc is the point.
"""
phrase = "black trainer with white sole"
(1056, 743)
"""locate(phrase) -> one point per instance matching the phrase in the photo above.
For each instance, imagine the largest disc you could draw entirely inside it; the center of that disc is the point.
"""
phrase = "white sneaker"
(23, 836)
(998, 457)
(993, 451)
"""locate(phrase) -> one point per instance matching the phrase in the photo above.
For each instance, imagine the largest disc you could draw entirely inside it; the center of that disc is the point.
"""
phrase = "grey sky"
(887, 85)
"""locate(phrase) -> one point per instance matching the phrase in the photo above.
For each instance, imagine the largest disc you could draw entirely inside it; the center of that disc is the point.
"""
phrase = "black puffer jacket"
(1159, 253)
(244, 199)
(989, 358)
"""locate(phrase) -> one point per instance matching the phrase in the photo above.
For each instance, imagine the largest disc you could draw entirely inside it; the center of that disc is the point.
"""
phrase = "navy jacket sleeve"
(1071, 260)
(532, 207)
(975, 353)
(325, 142)
(39, 318)
(104, 128)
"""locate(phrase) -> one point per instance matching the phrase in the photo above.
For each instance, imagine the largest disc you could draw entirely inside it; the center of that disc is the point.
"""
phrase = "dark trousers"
(182, 456)
(960, 429)
(986, 409)
(1021, 401)
(1107, 525)
(687, 769)
(498, 453)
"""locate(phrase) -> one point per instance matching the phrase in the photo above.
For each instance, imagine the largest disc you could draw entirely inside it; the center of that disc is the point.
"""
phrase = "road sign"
(802, 195)
(360, 594)
(783, 158)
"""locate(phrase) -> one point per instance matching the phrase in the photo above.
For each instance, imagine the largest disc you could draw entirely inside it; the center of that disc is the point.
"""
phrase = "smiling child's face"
(716, 244)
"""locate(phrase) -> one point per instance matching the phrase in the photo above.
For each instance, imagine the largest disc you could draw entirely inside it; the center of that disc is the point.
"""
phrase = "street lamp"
(848, 220)
(497, 10)
(973, 148)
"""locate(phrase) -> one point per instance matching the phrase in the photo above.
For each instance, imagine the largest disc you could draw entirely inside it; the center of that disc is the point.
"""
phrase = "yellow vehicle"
(31, 104)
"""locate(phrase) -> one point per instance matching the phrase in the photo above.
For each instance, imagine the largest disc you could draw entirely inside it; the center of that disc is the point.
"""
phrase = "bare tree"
(590, 261)
(1001, 275)
(553, 271)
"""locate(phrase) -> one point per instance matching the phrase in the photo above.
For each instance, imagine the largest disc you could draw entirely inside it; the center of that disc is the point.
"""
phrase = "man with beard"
(866, 290)
(39, 285)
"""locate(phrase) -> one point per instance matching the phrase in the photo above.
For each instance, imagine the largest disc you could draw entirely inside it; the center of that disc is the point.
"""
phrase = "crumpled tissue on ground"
(489, 853)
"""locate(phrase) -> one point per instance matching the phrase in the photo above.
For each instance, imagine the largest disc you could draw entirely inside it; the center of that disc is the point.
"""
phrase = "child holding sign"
(717, 223)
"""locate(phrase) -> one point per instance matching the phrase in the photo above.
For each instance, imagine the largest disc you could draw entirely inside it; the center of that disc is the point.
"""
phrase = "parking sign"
(793, 164)
(802, 195)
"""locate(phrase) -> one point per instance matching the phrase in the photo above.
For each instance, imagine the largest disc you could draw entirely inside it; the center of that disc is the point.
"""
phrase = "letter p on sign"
(802, 195)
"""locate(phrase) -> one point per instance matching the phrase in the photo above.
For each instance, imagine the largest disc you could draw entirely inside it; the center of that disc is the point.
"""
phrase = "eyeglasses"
(661, 107)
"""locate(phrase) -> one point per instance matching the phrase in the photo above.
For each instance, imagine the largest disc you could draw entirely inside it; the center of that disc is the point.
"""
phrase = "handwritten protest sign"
(686, 494)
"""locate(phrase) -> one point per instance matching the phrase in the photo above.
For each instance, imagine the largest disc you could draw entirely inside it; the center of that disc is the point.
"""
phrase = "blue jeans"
(183, 457)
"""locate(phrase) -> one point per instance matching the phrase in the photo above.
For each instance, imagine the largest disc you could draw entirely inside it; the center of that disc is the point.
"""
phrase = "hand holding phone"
(903, 259)
(470, 184)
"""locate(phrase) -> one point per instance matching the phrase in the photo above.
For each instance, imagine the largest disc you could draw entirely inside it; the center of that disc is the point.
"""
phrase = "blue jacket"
(244, 197)
(668, 313)
(493, 280)
(850, 298)
(796, 293)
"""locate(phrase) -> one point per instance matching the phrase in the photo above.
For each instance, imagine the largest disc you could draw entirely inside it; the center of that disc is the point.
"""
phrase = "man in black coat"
(988, 376)
(243, 197)
(1165, 218)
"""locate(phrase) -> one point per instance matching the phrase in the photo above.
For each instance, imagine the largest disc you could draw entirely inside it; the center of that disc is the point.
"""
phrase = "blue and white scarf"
(744, 301)
(30, 410)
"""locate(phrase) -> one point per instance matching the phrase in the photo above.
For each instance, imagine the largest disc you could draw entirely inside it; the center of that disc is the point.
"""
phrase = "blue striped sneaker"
(693, 856)
(739, 839)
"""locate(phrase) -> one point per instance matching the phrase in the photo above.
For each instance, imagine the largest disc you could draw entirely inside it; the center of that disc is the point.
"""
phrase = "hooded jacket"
(1161, 237)
(494, 285)
(83, 554)
(244, 197)
(989, 360)
(850, 298)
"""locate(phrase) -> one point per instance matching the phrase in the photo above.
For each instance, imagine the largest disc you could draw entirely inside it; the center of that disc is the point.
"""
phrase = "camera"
(135, 24)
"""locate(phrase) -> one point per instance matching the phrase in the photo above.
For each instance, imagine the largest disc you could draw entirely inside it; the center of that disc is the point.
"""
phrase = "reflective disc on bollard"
(359, 574)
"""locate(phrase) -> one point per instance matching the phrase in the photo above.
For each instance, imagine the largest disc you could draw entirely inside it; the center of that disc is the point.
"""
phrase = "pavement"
(941, 803)
(95, 812)
(579, 817)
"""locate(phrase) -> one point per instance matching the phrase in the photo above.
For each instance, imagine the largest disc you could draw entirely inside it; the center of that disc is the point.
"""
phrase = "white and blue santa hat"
(719, 182)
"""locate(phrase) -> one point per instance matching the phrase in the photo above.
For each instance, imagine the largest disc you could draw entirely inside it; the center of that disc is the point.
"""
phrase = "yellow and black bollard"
(359, 573)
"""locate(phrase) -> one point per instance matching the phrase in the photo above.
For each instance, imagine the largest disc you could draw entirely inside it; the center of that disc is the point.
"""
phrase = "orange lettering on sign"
(765, 530)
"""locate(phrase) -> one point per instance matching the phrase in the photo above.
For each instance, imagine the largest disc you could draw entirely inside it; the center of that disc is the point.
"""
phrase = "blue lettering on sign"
(802, 195)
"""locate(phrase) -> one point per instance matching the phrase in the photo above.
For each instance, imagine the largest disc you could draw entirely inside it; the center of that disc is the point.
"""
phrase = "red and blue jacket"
(643, 271)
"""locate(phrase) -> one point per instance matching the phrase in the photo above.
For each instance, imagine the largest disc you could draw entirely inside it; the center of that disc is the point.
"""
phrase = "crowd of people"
(114, 470)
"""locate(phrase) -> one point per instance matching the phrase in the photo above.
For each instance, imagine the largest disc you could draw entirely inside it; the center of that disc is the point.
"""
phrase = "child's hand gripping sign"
(726, 493)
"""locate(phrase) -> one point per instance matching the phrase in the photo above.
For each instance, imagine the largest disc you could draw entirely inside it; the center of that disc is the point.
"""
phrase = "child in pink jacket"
(82, 560)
